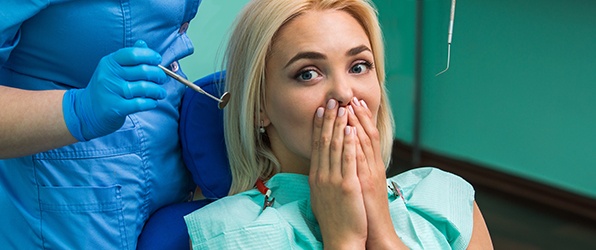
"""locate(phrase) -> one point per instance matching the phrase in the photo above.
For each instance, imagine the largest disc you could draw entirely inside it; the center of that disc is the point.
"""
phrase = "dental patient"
(309, 132)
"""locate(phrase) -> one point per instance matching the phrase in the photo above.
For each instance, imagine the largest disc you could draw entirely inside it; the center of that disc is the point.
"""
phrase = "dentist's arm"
(124, 82)
(31, 122)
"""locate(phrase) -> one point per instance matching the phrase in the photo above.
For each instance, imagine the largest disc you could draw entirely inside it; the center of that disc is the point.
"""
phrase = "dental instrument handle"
(184, 81)
(222, 102)
(451, 18)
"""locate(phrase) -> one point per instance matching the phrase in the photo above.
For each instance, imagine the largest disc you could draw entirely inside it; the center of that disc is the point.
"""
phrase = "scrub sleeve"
(99, 193)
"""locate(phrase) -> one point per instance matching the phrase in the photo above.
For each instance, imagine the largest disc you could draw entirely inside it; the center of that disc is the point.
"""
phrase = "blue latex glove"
(124, 82)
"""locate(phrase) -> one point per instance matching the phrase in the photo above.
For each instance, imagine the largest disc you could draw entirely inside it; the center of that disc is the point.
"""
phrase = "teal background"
(209, 32)
(520, 94)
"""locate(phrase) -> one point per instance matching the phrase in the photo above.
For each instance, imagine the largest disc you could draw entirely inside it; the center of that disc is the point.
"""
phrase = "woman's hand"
(336, 195)
(372, 178)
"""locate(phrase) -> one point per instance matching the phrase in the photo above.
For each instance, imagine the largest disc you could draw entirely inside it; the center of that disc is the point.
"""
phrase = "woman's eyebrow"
(306, 55)
(357, 50)
(318, 56)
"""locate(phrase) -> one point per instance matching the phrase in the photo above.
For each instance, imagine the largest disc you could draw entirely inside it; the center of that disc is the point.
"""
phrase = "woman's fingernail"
(363, 104)
(320, 112)
(355, 130)
(341, 112)
(348, 130)
(356, 102)
(351, 109)
(331, 104)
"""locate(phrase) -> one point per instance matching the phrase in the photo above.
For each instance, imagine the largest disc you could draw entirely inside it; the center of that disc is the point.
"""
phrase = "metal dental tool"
(449, 36)
(222, 102)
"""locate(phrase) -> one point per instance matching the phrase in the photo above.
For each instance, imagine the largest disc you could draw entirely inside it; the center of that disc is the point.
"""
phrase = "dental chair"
(204, 153)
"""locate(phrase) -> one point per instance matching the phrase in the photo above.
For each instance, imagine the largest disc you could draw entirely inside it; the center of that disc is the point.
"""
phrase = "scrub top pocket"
(83, 189)
(101, 162)
(97, 211)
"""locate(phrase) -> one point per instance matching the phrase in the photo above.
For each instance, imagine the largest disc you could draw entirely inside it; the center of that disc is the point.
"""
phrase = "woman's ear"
(264, 121)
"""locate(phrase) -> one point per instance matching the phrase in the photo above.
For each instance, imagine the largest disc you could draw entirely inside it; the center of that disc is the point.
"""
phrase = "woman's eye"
(361, 68)
(307, 75)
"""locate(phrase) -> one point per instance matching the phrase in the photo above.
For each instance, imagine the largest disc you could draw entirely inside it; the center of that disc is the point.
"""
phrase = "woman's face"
(318, 56)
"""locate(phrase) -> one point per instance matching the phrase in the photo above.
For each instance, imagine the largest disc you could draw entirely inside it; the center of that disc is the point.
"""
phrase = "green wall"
(519, 97)
(208, 32)
(398, 21)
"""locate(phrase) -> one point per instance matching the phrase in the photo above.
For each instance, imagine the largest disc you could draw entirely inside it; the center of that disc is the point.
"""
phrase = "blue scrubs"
(94, 194)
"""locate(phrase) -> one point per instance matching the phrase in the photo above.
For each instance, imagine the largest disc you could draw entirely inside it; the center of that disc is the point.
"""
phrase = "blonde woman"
(309, 133)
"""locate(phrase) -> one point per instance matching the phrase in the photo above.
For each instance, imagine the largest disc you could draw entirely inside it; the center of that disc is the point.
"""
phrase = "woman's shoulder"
(239, 205)
(239, 221)
(430, 178)
(432, 188)
(224, 213)
(439, 203)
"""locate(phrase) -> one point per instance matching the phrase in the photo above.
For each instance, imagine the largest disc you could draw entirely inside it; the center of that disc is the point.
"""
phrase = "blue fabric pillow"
(204, 153)
(201, 135)
(166, 228)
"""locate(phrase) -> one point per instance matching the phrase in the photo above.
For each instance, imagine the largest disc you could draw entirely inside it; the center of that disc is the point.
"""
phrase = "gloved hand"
(124, 82)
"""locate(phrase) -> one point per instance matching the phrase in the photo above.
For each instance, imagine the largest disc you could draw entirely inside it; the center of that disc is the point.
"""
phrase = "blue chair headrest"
(202, 139)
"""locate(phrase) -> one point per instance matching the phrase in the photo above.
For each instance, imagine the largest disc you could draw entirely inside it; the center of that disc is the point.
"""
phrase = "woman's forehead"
(319, 31)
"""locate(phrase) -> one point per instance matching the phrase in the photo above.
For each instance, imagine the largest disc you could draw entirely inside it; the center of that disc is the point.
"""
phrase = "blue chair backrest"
(201, 135)
(204, 153)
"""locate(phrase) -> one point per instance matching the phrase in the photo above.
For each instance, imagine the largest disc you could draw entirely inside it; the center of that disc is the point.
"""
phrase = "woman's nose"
(341, 90)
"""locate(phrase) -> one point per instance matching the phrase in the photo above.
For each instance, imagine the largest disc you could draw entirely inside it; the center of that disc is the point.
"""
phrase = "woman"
(88, 124)
(311, 125)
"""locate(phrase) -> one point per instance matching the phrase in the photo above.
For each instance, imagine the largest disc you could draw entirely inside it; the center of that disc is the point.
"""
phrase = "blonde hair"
(255, 29)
